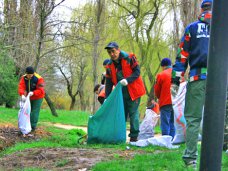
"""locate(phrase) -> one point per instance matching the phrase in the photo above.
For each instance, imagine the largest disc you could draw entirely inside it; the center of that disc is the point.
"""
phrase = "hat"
(204, 2)
(166, 62)
(112, 45)
(29, 70)
(106, 61)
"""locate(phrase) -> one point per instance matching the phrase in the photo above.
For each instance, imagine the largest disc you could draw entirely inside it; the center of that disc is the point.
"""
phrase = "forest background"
(68, 52)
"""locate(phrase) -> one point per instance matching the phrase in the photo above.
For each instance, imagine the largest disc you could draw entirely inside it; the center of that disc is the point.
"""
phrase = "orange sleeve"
(22, 87)
(39, 91)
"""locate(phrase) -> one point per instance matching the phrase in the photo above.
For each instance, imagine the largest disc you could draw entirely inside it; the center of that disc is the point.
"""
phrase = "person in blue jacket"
(193, 51)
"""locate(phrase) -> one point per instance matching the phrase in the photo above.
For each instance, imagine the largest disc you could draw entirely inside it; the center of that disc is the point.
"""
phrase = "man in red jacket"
(31, 84)
(162, 92)
(123, 67)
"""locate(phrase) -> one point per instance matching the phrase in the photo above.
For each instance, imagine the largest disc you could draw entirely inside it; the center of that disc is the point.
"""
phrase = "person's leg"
(194, 103)
(134, 118)
(165, 119)
(171, 123)
(35, 110)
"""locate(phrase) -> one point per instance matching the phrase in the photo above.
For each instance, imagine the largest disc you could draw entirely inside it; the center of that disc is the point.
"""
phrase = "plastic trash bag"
(146, 128)
(108, 124)
(24, 116)
(179, 119)
(162, 141)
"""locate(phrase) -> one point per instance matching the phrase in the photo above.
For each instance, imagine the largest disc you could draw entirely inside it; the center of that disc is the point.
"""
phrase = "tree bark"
(51, 105)
(97, 26)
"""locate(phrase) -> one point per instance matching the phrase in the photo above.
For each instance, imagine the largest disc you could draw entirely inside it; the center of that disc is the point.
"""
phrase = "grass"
(62, 163)
(155, 158)
(145, 162)
(76, 118)
(59, 138)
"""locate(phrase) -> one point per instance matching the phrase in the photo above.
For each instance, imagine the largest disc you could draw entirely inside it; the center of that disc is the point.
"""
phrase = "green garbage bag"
(107, 125)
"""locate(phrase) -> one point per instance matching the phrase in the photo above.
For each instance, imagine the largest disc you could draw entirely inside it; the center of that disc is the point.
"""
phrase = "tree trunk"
(51, 105)
(97, 27)
(82, 101)
(73, 100)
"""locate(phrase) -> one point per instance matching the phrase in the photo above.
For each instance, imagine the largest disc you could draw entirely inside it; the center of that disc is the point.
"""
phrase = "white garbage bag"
(140, 143)
(146, 128)
(179, 120)
(24, 116)
(162, 141)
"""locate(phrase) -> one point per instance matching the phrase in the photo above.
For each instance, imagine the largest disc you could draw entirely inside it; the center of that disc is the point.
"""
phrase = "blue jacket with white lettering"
(193, 50)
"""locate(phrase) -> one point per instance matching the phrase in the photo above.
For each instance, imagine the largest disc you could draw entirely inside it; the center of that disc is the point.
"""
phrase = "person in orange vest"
(32, 84)
(154, 106)
(123, 67)
(99, 89)
(162, 92)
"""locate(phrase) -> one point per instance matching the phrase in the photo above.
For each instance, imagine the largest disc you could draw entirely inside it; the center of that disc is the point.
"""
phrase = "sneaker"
(133, 139)
(191, 164)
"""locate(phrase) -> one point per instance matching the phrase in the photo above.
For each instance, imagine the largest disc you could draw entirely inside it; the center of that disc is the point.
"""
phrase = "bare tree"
(140, 18)
(100, 5)
(189, 11)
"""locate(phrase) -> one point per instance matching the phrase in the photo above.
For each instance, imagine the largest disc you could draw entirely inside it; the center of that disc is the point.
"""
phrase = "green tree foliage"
(8, 80)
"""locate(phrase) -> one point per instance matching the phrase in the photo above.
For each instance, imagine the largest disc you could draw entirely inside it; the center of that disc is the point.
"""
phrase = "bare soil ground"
(61, 158)
(9, 135)
(52, 158)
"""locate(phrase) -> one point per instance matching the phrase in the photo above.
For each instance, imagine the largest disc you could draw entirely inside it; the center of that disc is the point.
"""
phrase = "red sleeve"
(157, 86)
(39, 91)
(22, 87)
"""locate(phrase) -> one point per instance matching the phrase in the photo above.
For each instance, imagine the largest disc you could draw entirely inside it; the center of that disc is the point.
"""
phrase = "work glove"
(23, 98)
(174, 90)
(124, 82)
(30, 94)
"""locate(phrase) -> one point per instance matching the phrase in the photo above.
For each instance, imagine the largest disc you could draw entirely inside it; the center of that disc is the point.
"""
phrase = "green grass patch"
(59, 138)
(62, 163)
(158, 160)
(31, 169)
(76, 118)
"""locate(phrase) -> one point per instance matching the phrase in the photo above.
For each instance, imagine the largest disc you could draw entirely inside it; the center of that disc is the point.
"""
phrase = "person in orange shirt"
(32, 84)
(99, 89)
(162, 92)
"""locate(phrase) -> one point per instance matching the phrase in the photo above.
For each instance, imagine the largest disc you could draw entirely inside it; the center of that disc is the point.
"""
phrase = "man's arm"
(39, 87)
(181, 63)
(22, 87)
(136, 70)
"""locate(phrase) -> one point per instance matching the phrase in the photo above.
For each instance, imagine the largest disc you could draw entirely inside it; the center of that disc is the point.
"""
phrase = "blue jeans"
(167, 120)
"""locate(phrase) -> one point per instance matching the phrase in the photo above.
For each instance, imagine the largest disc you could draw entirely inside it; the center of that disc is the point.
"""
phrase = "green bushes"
(8, 80)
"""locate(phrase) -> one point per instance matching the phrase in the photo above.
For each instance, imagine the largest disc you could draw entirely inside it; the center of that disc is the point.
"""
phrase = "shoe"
(191, 164)
(133, 139)
(33, 130)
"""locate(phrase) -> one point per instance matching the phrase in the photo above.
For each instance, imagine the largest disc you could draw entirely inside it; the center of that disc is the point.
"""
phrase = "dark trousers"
(167, 120)
(35, 111)
(131, 110)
